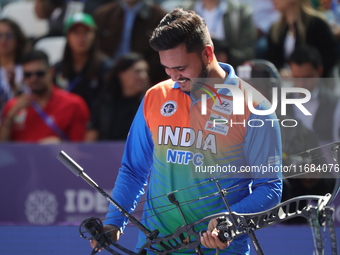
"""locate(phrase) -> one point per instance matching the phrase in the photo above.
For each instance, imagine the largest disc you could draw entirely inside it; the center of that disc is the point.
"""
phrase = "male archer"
(170, 137)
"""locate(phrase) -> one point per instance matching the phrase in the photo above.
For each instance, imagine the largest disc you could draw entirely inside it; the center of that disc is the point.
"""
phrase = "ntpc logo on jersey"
(236, 106)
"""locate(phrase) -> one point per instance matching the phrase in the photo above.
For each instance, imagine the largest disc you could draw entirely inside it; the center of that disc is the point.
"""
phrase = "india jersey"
(172, 146)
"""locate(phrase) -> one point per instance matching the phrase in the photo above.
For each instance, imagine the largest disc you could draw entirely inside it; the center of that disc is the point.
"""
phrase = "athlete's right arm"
(133, 174)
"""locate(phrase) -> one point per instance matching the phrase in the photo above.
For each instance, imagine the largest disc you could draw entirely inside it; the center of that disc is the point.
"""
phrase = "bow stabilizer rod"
(79, 171)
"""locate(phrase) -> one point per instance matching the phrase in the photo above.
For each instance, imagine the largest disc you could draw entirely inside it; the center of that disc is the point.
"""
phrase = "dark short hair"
(180, 26)
(306, 54)
(35, 55)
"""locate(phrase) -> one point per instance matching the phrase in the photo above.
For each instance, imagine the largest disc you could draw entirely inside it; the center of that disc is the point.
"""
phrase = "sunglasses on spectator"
(6, 36)
(39, 74)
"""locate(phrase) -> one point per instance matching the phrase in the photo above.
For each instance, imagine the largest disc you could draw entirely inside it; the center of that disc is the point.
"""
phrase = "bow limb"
(255, 221)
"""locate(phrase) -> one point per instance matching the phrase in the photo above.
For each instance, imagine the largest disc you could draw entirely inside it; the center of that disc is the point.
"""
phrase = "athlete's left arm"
(262, 147)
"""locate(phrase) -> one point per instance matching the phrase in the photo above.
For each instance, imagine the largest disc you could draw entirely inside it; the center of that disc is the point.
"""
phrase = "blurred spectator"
(229, 21)
(54, 11)
(82, 67)
(306, 66)
(264, 15)
(115, 109)
(13, 45)
(44, 113)
(331, 9)
(125, 26)
(300, 25)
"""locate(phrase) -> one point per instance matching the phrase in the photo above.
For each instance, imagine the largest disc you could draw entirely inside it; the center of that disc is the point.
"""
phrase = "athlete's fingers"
(204, 240)
(211, 240)
(93, 244)
(208, 240)
(221, 245)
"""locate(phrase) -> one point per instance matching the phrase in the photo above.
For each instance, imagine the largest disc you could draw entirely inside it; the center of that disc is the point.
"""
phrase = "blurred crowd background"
(77, 70)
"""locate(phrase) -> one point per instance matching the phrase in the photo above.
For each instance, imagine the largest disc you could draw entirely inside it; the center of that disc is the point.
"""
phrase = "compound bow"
(316, 209)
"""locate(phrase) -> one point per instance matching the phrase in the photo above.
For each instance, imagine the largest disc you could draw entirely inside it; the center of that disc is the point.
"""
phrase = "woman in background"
(82, 67)
(13, 45)
(114, 111)
(300, 25)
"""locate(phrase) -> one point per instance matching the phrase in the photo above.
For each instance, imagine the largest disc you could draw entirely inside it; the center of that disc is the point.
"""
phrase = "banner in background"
(38, 189)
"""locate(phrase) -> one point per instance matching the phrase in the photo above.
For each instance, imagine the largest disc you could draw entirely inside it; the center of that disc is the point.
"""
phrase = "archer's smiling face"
(182, 66)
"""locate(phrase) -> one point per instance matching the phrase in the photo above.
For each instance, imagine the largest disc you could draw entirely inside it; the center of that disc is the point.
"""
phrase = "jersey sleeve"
(133, 174)
(263, 149)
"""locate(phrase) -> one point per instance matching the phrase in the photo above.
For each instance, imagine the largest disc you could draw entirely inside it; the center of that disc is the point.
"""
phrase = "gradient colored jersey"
(175, 144)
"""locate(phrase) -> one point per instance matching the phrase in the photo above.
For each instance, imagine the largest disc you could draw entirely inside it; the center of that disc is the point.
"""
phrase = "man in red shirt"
(43, 113)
